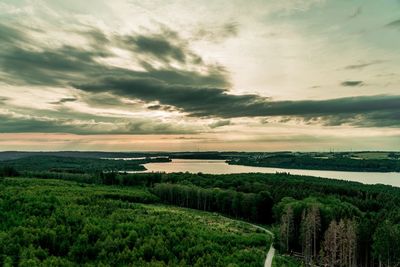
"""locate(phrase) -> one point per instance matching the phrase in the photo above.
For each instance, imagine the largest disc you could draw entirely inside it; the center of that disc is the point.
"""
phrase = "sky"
(200, 75)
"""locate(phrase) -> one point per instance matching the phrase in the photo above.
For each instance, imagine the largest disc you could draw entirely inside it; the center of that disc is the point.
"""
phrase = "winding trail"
(270, 257)
(271, 251)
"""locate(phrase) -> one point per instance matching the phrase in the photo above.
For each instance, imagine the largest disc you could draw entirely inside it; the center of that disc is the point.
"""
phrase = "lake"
(221, 167)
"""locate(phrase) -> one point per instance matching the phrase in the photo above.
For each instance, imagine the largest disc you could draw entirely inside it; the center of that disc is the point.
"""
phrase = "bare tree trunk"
(286, 227)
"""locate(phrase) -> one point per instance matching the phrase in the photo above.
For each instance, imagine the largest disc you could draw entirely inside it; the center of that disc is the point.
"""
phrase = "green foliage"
(369, 205)
(73, 165)
(8, 171)
(365, 197)
(249, 206)
(331, 208)
(285, 261)
(59, 223)
(77, 215)
(386, 244)
(338, 162)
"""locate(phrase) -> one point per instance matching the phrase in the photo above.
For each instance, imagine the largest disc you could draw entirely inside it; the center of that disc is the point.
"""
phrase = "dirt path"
(270, 257)
(271, 251)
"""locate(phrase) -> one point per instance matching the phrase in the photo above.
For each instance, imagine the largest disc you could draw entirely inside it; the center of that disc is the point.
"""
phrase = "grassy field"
(372, 155)
(60, 223)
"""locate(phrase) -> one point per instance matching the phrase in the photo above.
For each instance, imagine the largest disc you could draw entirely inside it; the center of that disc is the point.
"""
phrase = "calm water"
(220, 167)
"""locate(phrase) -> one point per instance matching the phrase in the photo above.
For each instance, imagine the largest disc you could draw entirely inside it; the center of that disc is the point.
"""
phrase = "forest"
(67, 164)
(338, 162)
(320, 222)
(62, 223)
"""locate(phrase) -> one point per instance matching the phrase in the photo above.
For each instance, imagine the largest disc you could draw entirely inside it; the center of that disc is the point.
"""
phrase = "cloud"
(54, 67)
(10, 35)
(64, 100)
(200, 91)
(62, 65)
(219, 123)
(161, 107)
(395, 23)
(3, 99)
(371, 119)
(165, 46)
(380, 119)
(106, 100)
(352, 83)
(231, 29)
(155, 45)
(215, 102)
(363, 65)
(12, 122)
(216, 33)
(97, 38)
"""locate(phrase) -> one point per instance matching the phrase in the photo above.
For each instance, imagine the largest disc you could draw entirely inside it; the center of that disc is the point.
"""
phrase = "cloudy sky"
(254, 75)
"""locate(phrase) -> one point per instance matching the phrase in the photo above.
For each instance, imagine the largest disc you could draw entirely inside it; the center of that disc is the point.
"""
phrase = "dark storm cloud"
(161, 46)
(352, 83)
(197, 94)
(51, 67)
(216, 102)
(195, 100)
(61, 66)
(10, 35)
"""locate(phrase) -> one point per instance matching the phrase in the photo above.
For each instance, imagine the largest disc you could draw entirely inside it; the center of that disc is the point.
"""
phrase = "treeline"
(75, 177)
(95, 177)
(74, 165)
(281, 185)
(291, 161)
(8, 171)
(248, 206)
